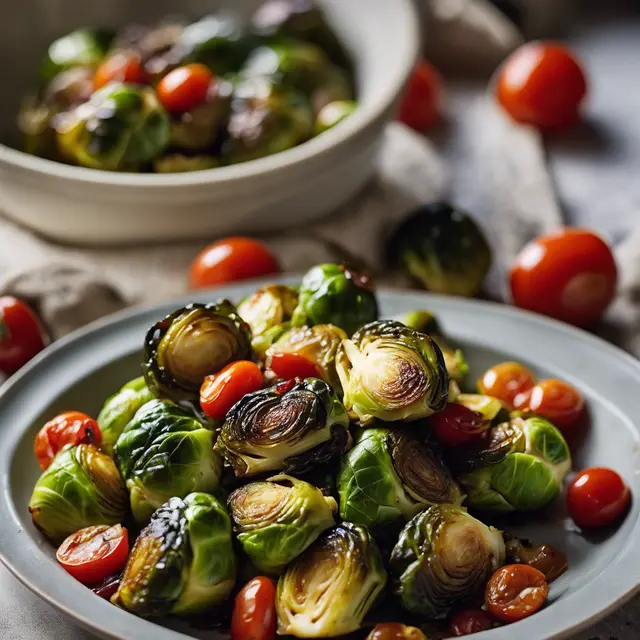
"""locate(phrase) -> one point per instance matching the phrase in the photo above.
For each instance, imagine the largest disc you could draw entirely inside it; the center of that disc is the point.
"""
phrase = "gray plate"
(80, 371)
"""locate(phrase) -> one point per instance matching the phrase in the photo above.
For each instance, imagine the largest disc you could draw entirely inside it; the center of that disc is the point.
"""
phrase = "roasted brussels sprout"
(81, 488)
(444, 558)
(388, 477)
(162, 453)
(119, 410)
(519, 468)
(334, 113)
(190, 344)
(121, 128)
(328, 590)
(443, 249)
(391, 372)
(335, 294)
(278, 519)
(177, 163)
(183, 561)
(336, 88)
(290, 428)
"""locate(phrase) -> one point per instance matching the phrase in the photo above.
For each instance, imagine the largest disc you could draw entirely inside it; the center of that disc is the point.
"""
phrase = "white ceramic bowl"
(86, 206)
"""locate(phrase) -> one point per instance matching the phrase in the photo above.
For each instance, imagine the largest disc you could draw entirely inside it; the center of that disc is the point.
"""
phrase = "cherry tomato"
(254, 612)
(570, 275)
(458, 425)
(229, 260)
(421, 106)
(555, 400)
(21, 334)
(71, 427)
(515, 592)
(293, 365)
(505, 381)
(222, 390)
(597, 497)
(542, 84)
(470, 621)
(92, 554)
(120, 67)
(395, 631)
(184, 88)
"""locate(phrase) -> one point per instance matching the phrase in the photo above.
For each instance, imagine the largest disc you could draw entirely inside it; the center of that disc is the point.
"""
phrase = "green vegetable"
(333, 114)
(177, 163)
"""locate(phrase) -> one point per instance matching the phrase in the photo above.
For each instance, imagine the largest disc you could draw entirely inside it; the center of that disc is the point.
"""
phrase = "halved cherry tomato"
(71, 427)
(542, 84)
(222, 390)
(470, 621)
(92, 554)
(254, 612)
(184, 88)
(555, 400)
(505, 381)
(120, 67)
(515, 592)
(293, 365)
(597, 497)
(458, 425)
(421, 106)
(395, 631)
(21, 334)
(229, 260)
(570, 275)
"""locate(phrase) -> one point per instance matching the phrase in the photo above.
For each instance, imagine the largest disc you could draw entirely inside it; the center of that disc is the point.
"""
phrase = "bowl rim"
(365, 116)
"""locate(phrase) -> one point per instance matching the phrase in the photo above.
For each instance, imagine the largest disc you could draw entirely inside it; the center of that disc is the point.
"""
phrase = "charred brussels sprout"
(328, 590)
(177, 163)
(391, 372)
(278, 519)
(190, 344)
(335, 294)
(443, 249)
(81, 488)
(162, 453)
(388, 477)
(121, 128)
(183, 561)
(290, 428)
(443, 559)
(519, 468)
(333, 114)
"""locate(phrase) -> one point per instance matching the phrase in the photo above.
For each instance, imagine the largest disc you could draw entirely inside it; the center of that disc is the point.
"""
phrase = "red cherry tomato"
(184, 88)
(293, 365)
(515, 592)
(254, 612)
(458, 425)
(469, 621)
(570, 275)
(395, 631)
(421, 106)
(597, 497)
(222, 390)
(555, 400)
(21, 334)
(542, 84)
(71, 427)
(506, 381)
(120, 67)
(92, 554)
(229, 260)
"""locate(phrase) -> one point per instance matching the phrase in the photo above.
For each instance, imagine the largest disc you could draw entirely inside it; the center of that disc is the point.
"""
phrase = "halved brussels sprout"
(520, 467)
(443, 249)
(177, 163)
(391, 372)
(333, 114)
(291, 427)
(328, 590)
(388, 477)
(121, 128)
(190, 344)
(183, 561)
(443, 559)
(335, 294)
(81, 488)
(278, 519)
(119, 410)
(162, 453)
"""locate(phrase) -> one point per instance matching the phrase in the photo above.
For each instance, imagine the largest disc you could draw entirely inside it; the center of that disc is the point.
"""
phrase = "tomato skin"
(470, 621)
(222, 390)
(597, 497)
(506, 381)
(421, 106)
(515, 591)
(556, 400)
(184, 88)
(21, 334)
(458, 425)
(92, 554)
(570, 275)
(542, 84)
(229, 260)
(293, 365)
(120, 67)
(395, 631)
(254, 611)
(70, 427)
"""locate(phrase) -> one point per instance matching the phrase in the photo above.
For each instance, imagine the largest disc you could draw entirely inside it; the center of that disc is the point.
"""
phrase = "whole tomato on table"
(21, 334)
(422, 104)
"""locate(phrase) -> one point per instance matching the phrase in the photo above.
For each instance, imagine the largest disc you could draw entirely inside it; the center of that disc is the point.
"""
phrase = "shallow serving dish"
(80, 205)
(77, 371)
